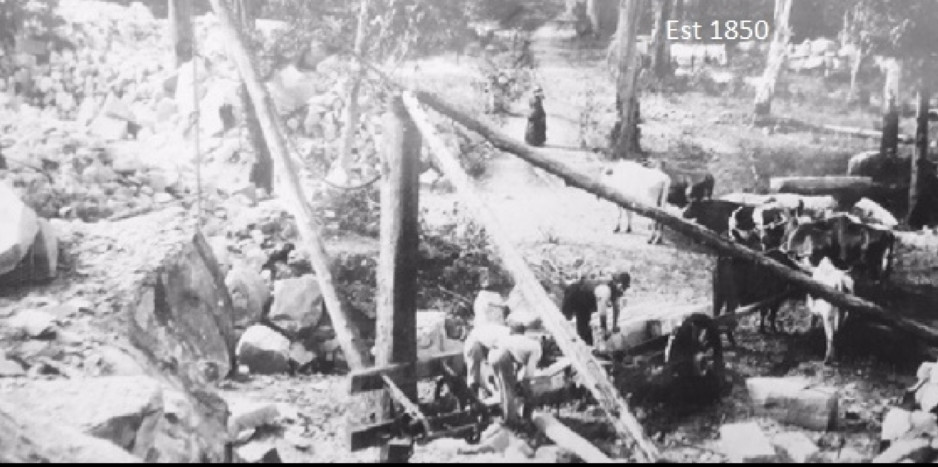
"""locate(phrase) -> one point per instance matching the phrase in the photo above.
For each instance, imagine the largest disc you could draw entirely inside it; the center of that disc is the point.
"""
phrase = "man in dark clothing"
(536, 132)
(586, 297)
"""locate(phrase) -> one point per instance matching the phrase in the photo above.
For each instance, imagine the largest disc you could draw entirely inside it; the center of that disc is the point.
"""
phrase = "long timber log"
(573, 177)
(569, 440)
(590, 372)
(292, 191)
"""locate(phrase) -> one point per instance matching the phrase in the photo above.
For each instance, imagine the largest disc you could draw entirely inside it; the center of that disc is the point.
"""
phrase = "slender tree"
(343, 164)
(626, 134)
(661, 47)
(776, 60)
(181, 30)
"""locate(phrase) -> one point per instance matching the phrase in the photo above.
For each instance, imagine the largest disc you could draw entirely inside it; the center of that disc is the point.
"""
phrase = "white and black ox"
(651, 184)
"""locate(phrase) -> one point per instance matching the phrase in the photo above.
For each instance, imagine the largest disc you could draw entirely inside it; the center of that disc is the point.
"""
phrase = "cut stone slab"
(21, 225)
(264, 351)
(36, 324)
(247, 415)
(794, 401)
(259, 452)
(10, 369)
(746, 443)
(797, 446)
(123, 410)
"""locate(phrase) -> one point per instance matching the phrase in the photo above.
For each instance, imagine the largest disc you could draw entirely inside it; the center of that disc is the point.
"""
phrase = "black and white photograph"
(468, 231)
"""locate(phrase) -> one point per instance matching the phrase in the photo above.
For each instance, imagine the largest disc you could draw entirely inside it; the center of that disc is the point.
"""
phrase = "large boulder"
(298, 305)
(28, 437)
(21, 225)
(123, 410)
(264, 351)
(249, 293)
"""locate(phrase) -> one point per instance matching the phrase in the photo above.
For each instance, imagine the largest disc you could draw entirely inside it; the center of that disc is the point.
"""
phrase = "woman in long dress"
(536, 132)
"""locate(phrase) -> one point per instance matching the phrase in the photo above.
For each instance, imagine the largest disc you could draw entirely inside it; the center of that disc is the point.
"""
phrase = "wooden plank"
(569, 440)
(376, 434)
(573, 177)
(370, 379)
(407, 404)
(921, 148)
(589, 370)
(309, 229)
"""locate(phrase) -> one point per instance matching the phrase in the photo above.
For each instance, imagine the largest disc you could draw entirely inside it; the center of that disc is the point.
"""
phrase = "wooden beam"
(569, 440)
(347, 335)
(542, 159)
(921, 148)
(590, 372)
(370, 379)
(396, 340)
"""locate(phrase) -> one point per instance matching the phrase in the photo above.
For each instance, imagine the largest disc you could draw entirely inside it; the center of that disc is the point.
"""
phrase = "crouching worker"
(585, 297)
(513, 357)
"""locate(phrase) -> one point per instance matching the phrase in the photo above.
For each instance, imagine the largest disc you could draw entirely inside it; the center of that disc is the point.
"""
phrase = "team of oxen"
(837, 245)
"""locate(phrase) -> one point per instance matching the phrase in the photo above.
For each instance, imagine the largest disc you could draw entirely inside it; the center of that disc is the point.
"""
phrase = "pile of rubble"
(910, 433)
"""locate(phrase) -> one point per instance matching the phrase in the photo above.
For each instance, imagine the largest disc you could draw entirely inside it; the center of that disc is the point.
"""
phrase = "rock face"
(34, 438)
(184, 319)
(264, 351)
(298, 306)
(123, 410)
(181, 320)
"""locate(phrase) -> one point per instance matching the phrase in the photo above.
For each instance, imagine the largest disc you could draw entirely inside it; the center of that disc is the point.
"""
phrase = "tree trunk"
(396, 340)
(921, 147)
(890, 142)
(626, 134)
(776, 60)
(343, 165)
(588, 369)
(347, 335)
(661, 47)
(180, 30)
(592, 11)
(262, 171)
(707, 238)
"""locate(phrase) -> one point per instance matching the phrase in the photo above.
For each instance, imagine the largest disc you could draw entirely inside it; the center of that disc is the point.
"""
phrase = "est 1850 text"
(719, 30)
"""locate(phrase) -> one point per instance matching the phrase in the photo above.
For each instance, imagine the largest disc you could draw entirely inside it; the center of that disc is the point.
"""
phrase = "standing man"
(585, 297)
(536, 132)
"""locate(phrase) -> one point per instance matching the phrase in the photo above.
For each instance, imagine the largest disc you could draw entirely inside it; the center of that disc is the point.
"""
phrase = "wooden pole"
(573, 177)
(590, 372)
(921, 147)
(262, 171)
(397, 270)
(569, 440)
(292, 191)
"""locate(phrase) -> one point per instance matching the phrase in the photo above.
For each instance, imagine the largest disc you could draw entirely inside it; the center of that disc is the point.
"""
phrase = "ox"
(832, 317)
(739, 282)
(646, 184)
(846, 242)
